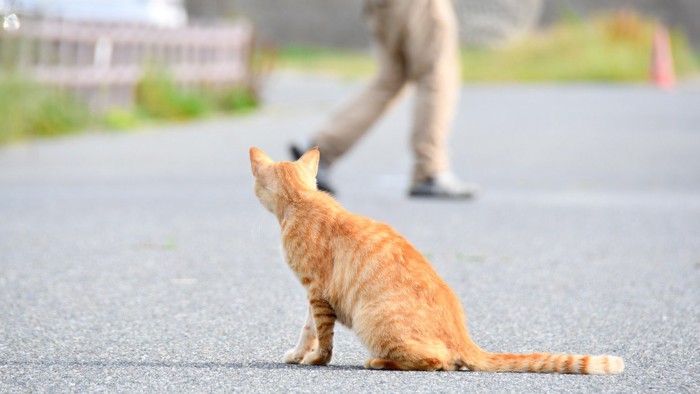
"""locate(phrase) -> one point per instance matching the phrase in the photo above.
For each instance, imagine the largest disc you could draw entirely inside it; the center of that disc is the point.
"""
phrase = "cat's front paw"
(317, 357)
(294, 356)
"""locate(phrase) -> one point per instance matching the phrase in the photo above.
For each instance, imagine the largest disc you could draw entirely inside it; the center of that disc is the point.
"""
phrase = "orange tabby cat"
(368, 277)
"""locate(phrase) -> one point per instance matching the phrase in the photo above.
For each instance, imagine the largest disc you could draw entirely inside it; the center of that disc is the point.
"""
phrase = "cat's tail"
(548, 363)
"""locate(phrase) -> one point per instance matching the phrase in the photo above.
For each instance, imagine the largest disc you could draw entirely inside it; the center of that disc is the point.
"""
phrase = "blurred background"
(72, 65)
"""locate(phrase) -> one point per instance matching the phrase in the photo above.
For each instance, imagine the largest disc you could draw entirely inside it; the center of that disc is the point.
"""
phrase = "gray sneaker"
(444, 185)
(324, 171)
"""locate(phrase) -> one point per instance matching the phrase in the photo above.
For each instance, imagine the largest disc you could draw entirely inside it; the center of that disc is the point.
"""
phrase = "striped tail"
(550, 363)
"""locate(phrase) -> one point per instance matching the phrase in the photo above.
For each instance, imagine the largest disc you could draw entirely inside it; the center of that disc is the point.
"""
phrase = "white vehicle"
(162, 13)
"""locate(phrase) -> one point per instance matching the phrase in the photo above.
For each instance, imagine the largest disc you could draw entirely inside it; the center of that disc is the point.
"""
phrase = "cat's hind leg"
(428, 364)
(380, 363)
(412, 355)
(307, 341)
(324, 319)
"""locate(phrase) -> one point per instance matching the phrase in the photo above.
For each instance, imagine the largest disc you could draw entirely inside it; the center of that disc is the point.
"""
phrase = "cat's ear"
(310, 160)
(258, 160)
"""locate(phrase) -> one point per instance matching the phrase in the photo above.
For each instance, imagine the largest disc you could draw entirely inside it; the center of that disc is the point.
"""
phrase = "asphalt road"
(141, 261)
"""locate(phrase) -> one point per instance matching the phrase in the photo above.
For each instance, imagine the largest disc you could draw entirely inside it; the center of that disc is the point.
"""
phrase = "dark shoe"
(444, 185)
(323, 174)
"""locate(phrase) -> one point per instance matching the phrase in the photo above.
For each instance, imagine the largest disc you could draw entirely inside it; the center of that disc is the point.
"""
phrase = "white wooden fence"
(102, 63)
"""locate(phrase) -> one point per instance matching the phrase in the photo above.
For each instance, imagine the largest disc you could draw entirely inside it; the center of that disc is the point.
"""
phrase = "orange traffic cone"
(662, 72)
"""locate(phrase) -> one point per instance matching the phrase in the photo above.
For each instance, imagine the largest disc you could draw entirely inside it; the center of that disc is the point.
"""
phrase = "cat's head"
(277, 182)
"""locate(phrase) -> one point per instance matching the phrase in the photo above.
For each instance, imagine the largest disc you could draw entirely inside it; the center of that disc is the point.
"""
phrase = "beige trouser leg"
(349, 124)
(433, 56)
(415, 39)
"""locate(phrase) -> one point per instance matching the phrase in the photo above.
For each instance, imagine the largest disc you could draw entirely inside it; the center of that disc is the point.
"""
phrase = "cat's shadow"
(332, 367)
(180, 364)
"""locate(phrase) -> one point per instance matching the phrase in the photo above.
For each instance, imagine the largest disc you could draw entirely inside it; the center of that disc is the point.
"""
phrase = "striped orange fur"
(366, 276)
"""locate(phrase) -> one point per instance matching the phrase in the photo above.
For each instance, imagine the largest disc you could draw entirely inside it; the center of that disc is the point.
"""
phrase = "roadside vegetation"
(614, 48)
(611, 48)
(29, 110)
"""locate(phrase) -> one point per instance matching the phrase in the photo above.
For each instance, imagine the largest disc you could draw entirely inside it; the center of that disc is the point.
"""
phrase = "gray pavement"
(141, 261)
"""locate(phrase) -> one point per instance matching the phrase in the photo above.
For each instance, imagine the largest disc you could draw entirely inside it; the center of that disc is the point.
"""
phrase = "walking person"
(416, 41)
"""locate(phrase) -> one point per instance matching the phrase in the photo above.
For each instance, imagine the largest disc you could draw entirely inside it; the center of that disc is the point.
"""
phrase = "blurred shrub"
(30, 110)
(235, 100)
(158, 96)
(120, 119)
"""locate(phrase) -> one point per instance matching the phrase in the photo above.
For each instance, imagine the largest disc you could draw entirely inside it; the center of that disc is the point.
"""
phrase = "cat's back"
(358, 244)
(360, 239)
(373, 256)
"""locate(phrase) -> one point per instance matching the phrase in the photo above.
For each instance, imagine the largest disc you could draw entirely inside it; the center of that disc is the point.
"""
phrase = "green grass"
(344, 64)
(29, 110)
(159, 97)
(612, 48)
